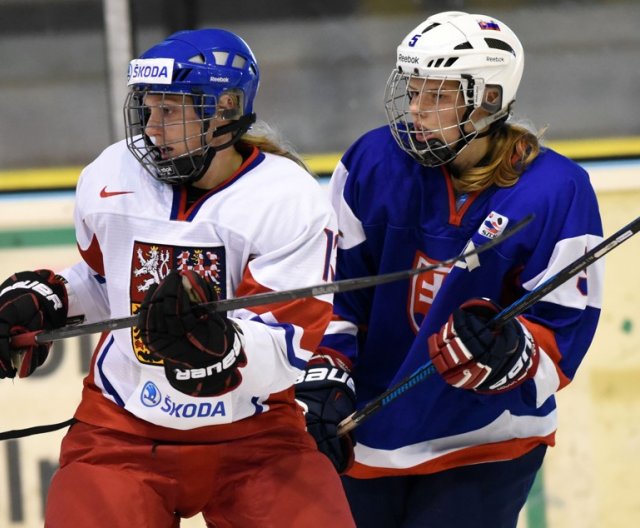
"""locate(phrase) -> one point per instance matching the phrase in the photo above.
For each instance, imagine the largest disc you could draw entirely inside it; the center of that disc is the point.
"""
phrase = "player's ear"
(230, 105)
(227, 101)
(492, 99)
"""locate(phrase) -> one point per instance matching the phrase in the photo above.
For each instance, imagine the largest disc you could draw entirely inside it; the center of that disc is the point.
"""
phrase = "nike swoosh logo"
(106, 194)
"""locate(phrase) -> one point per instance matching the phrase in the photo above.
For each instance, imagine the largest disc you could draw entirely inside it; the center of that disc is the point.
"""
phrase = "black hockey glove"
(327, 395)
(470, 355)
(200, 348)
(30, 301)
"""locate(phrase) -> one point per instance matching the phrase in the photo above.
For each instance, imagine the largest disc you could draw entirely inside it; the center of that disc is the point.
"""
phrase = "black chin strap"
(236, 128)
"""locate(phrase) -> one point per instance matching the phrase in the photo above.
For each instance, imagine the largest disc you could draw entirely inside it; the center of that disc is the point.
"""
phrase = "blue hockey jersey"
(395, 214)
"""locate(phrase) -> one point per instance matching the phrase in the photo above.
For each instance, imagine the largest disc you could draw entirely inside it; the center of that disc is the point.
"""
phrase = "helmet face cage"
(429, 120)
(189, 73)
(186, 133)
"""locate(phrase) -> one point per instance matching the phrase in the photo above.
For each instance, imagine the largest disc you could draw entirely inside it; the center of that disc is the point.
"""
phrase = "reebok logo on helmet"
(408, 58)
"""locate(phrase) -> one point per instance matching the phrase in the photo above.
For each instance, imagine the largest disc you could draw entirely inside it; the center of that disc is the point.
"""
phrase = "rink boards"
(589, 478)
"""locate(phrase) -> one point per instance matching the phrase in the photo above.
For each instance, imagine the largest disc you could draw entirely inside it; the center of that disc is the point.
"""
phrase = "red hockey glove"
(200, 348)
(470, 355)
(29, 301)
(327, 395)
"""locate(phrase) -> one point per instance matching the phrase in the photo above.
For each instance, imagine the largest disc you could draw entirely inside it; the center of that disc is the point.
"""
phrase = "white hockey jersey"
(269, 227)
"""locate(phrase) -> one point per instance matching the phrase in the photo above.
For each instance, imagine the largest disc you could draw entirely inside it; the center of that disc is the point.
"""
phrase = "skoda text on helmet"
(194, 68)
(475, 61)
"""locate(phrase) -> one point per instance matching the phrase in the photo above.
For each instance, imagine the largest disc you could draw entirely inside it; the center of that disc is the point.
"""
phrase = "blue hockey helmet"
(200, 65)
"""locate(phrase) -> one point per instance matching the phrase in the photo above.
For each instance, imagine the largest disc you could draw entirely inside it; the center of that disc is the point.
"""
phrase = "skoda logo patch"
(150, 395)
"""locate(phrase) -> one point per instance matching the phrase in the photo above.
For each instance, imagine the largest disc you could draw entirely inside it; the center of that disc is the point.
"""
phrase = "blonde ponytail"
(513, 149)
(268, 139)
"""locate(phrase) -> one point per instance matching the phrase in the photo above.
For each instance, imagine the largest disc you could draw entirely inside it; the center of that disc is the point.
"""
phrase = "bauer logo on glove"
(30, 301)
(200, 348)
(38, 287)
(228, 362)
(327, 395)
(327, 373)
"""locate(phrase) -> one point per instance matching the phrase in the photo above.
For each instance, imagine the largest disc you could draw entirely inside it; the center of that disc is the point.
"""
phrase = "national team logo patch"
(150, 263)
(424, 288)
(488, 24)
(493, 225)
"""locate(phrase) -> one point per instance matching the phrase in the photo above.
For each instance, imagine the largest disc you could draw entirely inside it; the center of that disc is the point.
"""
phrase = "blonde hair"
(513, 148)
(268, 139)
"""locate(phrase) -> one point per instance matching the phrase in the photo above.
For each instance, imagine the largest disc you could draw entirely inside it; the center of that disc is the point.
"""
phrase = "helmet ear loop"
(492, 104)
(238, 125)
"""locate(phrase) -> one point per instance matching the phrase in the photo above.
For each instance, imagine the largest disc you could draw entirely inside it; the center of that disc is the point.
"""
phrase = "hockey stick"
(30, 338)
(38, 429)
(519, 306)
(566, 273)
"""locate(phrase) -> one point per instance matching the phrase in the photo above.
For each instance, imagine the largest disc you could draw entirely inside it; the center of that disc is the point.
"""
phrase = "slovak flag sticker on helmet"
(150, 71)
(488, 24)
(493, 225)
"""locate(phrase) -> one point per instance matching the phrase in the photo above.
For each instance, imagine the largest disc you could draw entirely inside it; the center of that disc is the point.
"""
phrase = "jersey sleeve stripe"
(92, 255)
(310, 315)
(351, 230)
(571, 293)
(444, 453)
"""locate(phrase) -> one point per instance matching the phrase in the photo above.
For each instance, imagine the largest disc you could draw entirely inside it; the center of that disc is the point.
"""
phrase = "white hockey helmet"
(479, 51)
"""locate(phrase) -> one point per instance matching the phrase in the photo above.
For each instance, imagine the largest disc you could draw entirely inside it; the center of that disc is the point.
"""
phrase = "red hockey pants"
(110, 479)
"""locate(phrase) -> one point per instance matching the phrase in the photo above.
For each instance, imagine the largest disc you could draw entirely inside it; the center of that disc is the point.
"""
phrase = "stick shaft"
(578, 265)
(526, 301)
(225, 305)
(355, 419)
